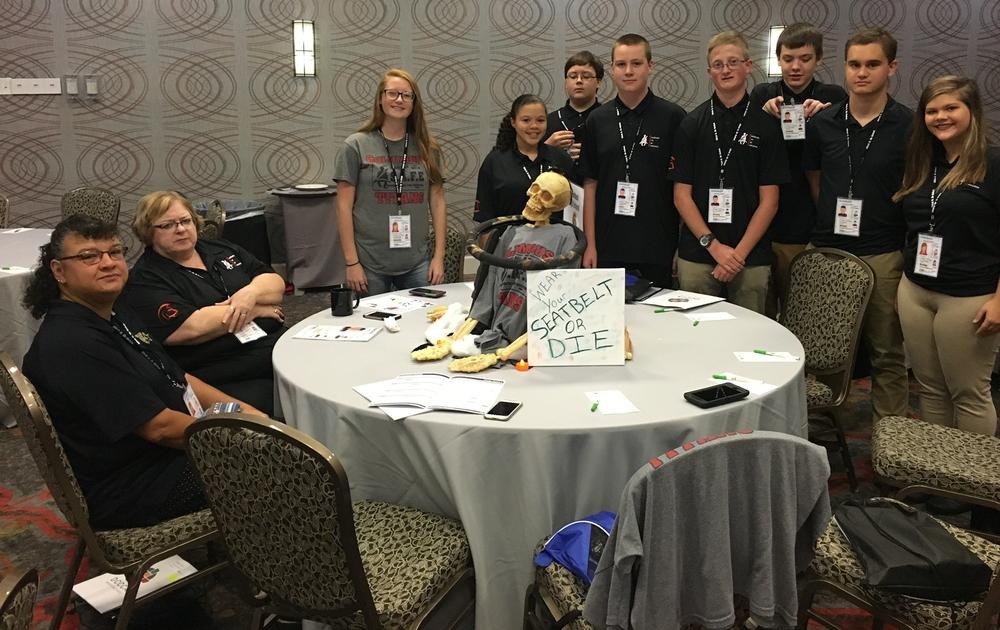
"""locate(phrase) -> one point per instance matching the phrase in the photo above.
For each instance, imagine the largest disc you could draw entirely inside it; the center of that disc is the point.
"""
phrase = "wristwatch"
(706, 239)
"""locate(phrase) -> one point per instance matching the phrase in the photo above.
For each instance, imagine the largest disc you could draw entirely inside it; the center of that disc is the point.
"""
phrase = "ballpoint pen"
(765, 352)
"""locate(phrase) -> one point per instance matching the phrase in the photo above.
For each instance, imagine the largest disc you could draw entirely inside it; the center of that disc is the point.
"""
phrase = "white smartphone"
(502, 410)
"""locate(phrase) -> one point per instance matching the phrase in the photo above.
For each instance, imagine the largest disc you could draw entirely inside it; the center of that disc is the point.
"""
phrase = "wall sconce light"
(773, 68)
(304, 48)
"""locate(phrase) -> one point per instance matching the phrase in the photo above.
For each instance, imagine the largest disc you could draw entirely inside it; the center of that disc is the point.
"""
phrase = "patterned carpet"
(32, 532)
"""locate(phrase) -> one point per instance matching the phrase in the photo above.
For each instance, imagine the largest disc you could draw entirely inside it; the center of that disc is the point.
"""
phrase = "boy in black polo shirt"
(853, 158)
(793, 99)
(728, 163)
(565, 126)
(628, 211)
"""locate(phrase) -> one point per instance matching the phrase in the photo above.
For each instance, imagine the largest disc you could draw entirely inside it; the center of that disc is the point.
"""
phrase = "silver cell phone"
(502, 410)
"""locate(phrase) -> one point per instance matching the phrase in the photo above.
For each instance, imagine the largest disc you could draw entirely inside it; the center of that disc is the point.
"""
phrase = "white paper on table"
(106, 592)
(681, 300)
(398, 304)
(770, 357)
(754, 386)
(395, 413)
(17, 230)
(611, 401)
(14, 269)
(472, 394)
(709, 316)
(325, 332)
(470, 285)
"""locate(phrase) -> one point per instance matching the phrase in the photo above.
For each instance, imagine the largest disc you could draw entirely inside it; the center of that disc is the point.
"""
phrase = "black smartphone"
(502, 411)
(380, 315)
(716, 395)
(428, 293)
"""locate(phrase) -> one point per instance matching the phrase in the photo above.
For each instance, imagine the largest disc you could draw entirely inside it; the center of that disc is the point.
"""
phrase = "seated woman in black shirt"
(119, 404)
(212, 304)
(517, 159)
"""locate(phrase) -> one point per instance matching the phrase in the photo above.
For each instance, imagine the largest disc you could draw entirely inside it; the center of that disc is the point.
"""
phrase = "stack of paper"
(107, 592)
(397, 304)
(410, 394)
(681, 300)
(337, 333)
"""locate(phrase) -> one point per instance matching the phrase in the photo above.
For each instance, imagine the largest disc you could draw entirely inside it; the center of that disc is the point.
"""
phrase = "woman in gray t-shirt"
(388, 175)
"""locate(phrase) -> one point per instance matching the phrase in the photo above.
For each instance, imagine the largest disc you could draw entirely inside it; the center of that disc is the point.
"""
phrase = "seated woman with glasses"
(518, 157)
(388, 175)
(212, 304)
(119, 403)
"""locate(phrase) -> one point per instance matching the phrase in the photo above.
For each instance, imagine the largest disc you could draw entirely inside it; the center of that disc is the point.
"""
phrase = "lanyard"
(718, 147)
(397, 180)
(563, 123)
(225, 289)
(850, 158)
(934, 200)
(122, 329)
(541, 168)
(621, 133)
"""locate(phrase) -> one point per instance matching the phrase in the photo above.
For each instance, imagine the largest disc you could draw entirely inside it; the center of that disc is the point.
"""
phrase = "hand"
(590, 257)
(722, 275)
(812, 107)
(727, 257)
(356, 278)
(574, 150)
(562, 139)
(773, 106)
(435, 271)
(271, 311)
(988, 318)
(241, 307)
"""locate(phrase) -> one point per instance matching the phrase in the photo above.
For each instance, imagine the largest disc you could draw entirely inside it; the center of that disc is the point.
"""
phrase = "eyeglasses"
(92, 257)
(170, 225)
(393, 95)
(586, 76)
(732, 64)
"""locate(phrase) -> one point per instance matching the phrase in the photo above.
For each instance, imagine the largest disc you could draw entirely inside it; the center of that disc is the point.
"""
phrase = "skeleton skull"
(548, 193)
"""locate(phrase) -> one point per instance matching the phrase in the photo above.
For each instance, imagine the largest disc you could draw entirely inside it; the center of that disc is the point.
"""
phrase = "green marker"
(720, 377)
(593, 407)
(696, 322)
(765, 352)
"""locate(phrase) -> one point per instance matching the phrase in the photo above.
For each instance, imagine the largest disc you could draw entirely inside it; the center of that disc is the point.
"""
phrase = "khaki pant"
(884, 338)
(783, 255)
(748, 289)
(952, 364)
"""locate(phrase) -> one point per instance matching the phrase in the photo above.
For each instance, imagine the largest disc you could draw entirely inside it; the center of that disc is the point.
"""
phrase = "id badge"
(399, 231)
(720, 205)
(793, 122)
(249, 332)
(573, 213)
(626, 199)
(193, 405)
(928, 255)
(847, 217)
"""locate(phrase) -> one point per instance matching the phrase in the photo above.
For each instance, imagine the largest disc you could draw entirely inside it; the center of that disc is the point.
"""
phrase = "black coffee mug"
(341, 297)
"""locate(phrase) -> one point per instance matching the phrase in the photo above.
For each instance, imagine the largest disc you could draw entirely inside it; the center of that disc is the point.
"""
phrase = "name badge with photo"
(793, 122)
(192, 402)
(399, 231)
(847, 217)
(250, 332)
(626, 198)
(928, 255)
(720, 205)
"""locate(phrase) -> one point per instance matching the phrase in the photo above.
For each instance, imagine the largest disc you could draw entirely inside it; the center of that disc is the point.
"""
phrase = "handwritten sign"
(576, 317)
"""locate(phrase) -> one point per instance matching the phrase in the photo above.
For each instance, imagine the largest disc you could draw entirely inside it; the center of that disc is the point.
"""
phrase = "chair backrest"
(214, 221)
(282, 502)
(735, 513)
(99, 203)
(4, 211)
(17, 600)
(828, 292)
(454, 253)
(44, 445)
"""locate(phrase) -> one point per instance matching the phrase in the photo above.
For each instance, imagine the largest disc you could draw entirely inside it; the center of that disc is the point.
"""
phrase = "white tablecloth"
(511, 483)
(18, 248)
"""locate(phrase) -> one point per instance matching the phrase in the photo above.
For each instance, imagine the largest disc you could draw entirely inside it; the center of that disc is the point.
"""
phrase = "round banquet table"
(512, 483)
(18, 255)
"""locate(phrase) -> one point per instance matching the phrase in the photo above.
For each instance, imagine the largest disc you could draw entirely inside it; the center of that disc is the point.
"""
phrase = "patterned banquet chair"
(284, 508)
(835, 569)
(4, 211)
(213, 222)
(125, 551)
(556, 598)
(828, 291)
(17, 600)
(454, 253)
(95, 202)
(922, 458)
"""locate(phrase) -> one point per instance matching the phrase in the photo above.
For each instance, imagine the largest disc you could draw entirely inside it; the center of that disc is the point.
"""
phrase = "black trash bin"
(245, 225)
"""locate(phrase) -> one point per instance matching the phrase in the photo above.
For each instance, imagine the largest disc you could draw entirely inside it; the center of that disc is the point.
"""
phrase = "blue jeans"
(383, 283)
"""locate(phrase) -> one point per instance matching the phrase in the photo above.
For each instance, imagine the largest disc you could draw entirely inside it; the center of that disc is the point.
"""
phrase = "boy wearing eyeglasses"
(730, 151)
(793, 100)
(565, 126)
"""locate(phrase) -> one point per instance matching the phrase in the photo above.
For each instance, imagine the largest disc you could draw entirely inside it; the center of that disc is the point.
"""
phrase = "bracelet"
(356, 262)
